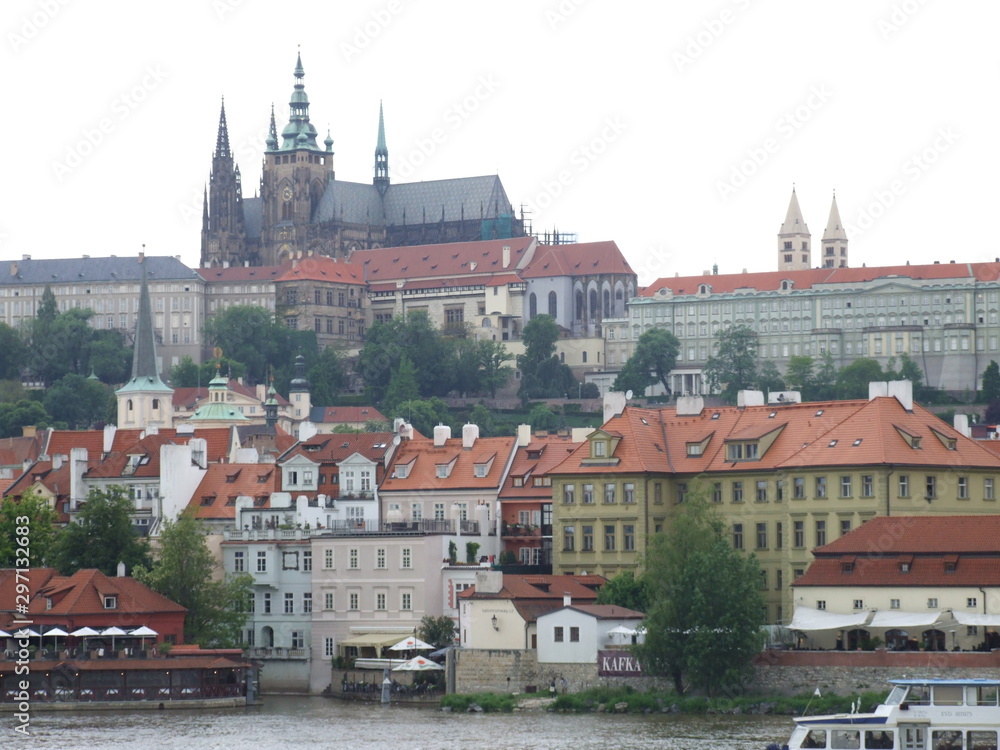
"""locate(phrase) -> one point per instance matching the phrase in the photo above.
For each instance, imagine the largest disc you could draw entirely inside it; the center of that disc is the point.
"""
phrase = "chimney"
(961, 423)
(877, 389)
(614, 404)
(470, 433)
(25, 257)
(142, 255)
(121, 570)
(749, 398)
(13, 269)
(28, 430)
(690, 406)
(489, 582)
(57, 461)
(442, 433)
(523, 435)
(567, 599)
(903, 391)
(77, 468)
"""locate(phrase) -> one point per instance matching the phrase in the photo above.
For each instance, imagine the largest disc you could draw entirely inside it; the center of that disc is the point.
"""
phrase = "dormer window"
(904, 567)
(741, 451)
(402, 471)
(694, 449)
(111, 602)
(441, 471)
(600, 448)
(847, 567)
(480, 470)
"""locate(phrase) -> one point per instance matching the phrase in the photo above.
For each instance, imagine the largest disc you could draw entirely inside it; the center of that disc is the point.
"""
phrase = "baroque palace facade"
(302, 209)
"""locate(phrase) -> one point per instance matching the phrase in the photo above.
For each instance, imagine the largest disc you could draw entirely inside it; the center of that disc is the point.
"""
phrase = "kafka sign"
(618, 664)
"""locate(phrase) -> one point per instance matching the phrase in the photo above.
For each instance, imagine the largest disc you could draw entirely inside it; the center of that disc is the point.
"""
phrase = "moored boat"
(918, 714)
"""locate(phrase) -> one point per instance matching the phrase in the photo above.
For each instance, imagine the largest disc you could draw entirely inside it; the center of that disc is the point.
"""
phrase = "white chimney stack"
(442, 433)
(470, 433)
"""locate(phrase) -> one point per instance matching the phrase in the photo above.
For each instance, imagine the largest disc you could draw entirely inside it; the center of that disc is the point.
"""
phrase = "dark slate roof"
(78, 270)
(253, 216)
(359, 203)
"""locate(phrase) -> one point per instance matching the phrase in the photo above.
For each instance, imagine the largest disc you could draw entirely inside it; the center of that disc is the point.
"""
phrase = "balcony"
(276, 653)
(522, 531)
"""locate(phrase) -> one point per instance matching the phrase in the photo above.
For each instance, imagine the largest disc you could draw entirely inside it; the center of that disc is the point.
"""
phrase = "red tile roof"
(321, 268)
(445, 261)
(609, 611)
(424, 458)
(534, 461)
(920, 535)
(545, 587)
(345, 414)
(61, 442)
(243, 273)
(335, 447)
(578, 259)
(14, 451)
(215, 496)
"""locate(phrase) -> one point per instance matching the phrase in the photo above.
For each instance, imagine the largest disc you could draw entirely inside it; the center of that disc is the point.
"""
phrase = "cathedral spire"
(834, 239)
(144, 350)
(381, 156)
(794, 239)
(299, 133)
(204, 212)
(272, 133)
(222, 140)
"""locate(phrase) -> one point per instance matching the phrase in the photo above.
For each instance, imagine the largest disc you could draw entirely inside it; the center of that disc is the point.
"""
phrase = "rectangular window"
(328, 559)
(380, 558)
(438, 511)
(859, 604)
(353, 559)
(845, 486)
(845, 526)
(779, 535)
(971, 602)
(931, 487)
(894, 604)
(609, 492)
(261, 561)
(904, 485)
(406, 601)
(761, 536)
(988, 491)
(353, 601)
(867, 485)
(569, 538)
(799, 492)
(568, 493)
(307, 560)
(267, 603)
(328, 600)
(628, 492)
(820, 533)
(574, 634)
(821, 604)
(799, 532)
(682, 489)
(380, 601)
(609, 538)
(779, 581)
(737, 536)
(406, 558)
(963, 488)
(717, 492)
(557, 634)
(932, 603)
(588, 494)
(628, 537)
(820, 487)
(761, 490)
(289, 603)
(307, 602)
(238, 562)
(328, 647)
(587, 539)
(658, 493)
(737, 492)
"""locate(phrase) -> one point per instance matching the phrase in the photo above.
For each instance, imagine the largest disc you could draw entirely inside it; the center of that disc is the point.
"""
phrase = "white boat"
(919, 714)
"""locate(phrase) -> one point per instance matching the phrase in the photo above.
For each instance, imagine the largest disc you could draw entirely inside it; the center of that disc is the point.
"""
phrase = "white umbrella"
(144, 633)
(411, 644)
(4, 634)
(26, 633)
(621, 633)
(85, 632)
(113, 631)
(55, 633)
(418, 664)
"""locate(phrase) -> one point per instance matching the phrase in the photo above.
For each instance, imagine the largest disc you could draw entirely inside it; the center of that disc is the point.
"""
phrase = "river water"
(307, 722)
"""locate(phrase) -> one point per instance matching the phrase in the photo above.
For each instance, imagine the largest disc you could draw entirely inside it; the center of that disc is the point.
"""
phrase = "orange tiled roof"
(345, 414)
(543, 587)
(322, 268)
(61, 442)
(533, 461)
(243, 273)
(577, 260)
(445, 261)
(423, 458)
(14, 451)
(334, 448)
(215, 496)
(609, 611)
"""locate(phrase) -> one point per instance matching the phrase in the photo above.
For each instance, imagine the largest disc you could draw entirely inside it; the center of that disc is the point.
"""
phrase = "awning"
(374, 640)
(807, 618)
(897, 619)
(977, 618)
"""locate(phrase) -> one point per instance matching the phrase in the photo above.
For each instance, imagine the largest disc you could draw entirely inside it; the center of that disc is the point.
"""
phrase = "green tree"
(423, 414)
(79, 402)
(799, 374)
(495, 372)
(654, 357)
(625, 590)
(12, 353)
(185, 374)
(102, 536)
(109, 357)
(20, 414)
(29, 518)
(991, 382)
(705, 615)
(431, 353)
(542, 417)
(853, 380)
(542, 374)
(403, 385)
(253, 336)
(910, 370)
(183, 571)
(824, 383)
(437, 631)
(489, 425)
(769, 378)
(328, 376)
(733, 367)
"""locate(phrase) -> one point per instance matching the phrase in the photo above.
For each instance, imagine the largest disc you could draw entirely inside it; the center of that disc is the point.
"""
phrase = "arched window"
(607, 304)
(594, 307)
(128, 405)
(532, 305)
(584, 357)
(579, 306)
(553, 305)
(156, 403)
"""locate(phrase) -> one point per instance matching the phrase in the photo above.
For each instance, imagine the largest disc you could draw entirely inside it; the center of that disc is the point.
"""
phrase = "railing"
(278, 652)
(88, 694)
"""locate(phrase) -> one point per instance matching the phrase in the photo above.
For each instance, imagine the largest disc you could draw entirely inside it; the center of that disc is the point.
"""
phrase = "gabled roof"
(215, 496)
(344, 414)
(608, 611)
(578, 259)
(423, 458)
(244, 273)
(14, 451)
(79, 270)
(61, 442)
(321, 268)
(443, 261)
(335, 447)
(543, 587)
(535, 460)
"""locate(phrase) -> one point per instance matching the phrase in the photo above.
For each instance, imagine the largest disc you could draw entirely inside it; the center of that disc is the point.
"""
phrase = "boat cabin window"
(946, 739)
(919, 695)
(815, 738)
(896, 696)
(947, 695)
(845, 739)
(982, 740)
(879, 740)
(981, 695)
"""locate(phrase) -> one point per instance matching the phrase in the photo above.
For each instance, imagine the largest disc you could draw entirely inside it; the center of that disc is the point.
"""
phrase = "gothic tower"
(834, 239)
(381, 157)
(145, 400)
(793, 239)
(296, 173)
(223, 234)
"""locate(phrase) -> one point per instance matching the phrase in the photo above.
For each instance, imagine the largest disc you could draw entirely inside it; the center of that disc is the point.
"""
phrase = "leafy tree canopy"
(19, 414)
(654, 357)
(80, 402)
(102, 536)
(853, 380)
(32, 518)
(733, 367)
(437, 631)
(424, 414)
(991, 382)
(625, 590)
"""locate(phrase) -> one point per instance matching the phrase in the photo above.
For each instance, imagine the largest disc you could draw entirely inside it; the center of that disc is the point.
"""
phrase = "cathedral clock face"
(286, 193)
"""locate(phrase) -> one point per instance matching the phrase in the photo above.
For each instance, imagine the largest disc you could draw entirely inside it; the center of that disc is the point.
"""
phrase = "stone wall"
(846, 672)
(488, 670)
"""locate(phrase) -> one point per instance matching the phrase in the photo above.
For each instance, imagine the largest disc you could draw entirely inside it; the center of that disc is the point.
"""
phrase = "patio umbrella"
(27, 633)
(113, 631)
(418, 664)
(621, 633)
(411, 644)
(84, 633)
(144, 633)
(55, 633)
(4, 634)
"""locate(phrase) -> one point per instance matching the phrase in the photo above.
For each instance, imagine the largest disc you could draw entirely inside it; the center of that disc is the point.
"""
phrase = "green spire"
(299, 133)
(381, 181)
(145, 376)
(272, 133)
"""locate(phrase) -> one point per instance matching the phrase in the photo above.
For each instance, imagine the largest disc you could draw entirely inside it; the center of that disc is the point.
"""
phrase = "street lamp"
(496, 625)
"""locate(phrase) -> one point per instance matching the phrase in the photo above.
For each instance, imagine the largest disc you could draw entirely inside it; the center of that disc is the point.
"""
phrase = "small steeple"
(222, 139)
(794, 239)
(271, 405)
(144, 350)
(299, 132)
(834, 239)
(204, 212)
(272, 134)
(298, 390)
(381, 156)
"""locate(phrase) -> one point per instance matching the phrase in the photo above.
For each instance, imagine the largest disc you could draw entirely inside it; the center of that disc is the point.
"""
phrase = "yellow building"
(787, 477)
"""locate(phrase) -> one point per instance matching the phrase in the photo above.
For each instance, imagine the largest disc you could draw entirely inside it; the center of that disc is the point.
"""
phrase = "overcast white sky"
(674, 128)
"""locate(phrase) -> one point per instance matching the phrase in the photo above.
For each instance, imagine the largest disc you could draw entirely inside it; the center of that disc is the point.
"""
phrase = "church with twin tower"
(300, 207)
(795, 241)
